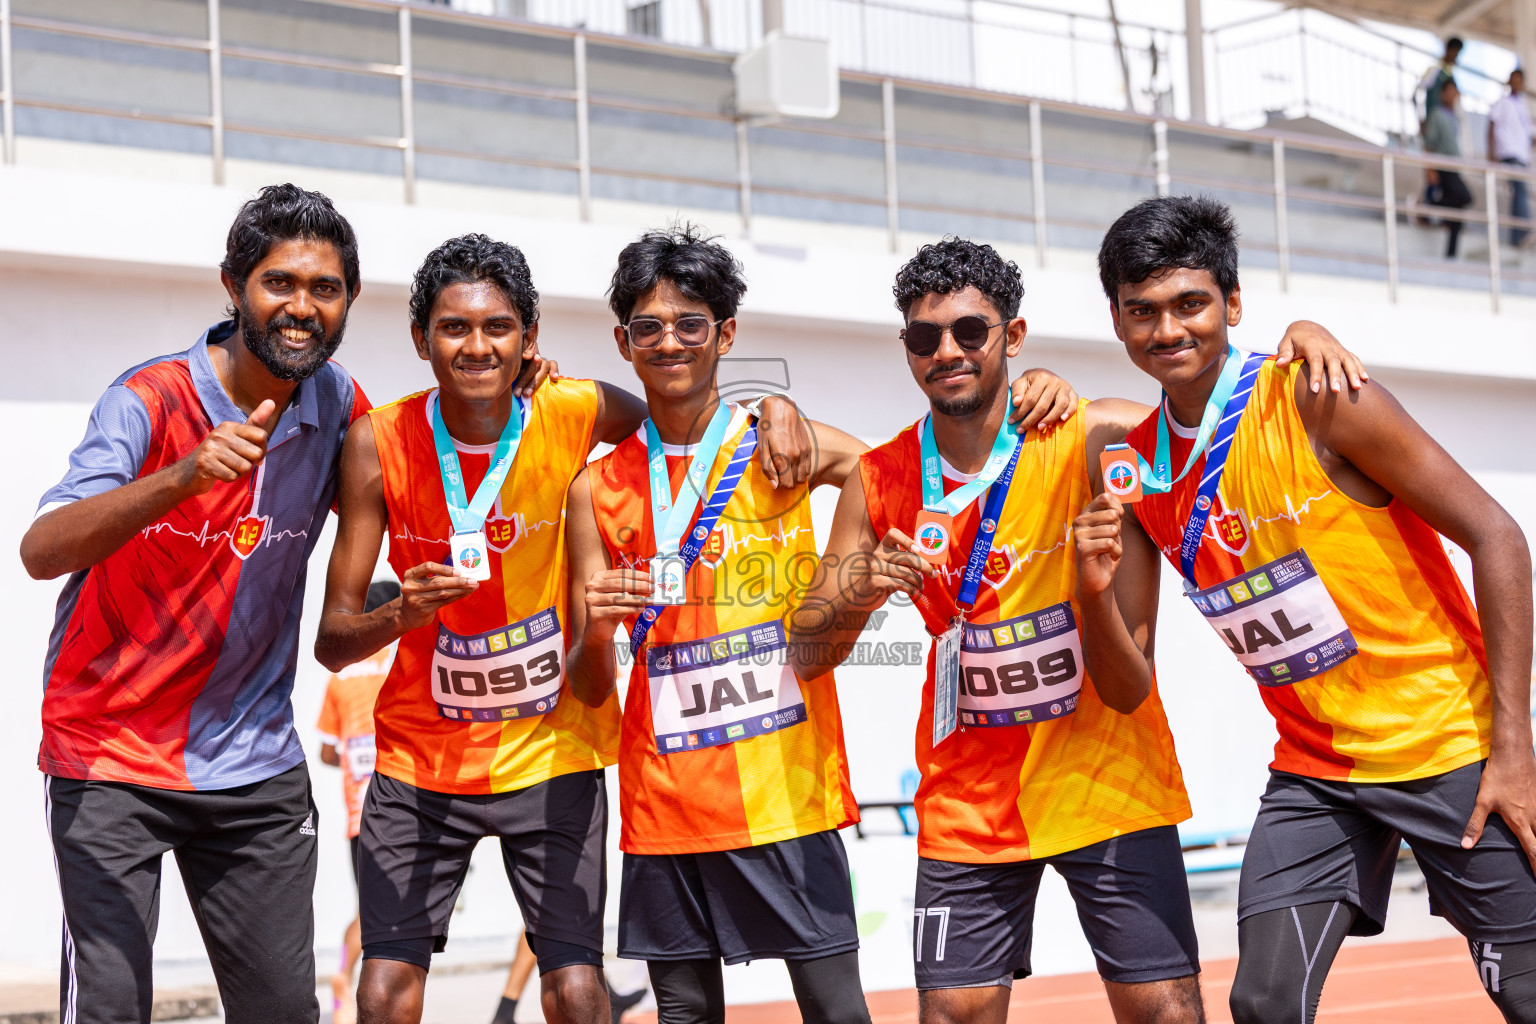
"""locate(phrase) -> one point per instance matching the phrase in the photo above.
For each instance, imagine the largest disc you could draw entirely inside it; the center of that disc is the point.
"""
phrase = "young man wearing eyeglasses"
(475, 734)
(733, 776)
(1042, 746)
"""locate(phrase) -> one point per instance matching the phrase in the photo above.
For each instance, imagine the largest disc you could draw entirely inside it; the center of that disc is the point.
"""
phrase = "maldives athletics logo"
(470, 558)
(932, 538)
(1121, 477)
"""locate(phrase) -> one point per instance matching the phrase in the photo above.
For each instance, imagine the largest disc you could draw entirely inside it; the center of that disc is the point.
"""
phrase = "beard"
(282, 362)
(961, 405)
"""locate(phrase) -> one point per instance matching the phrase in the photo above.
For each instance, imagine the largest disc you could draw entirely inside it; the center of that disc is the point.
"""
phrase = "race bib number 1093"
(511, 672)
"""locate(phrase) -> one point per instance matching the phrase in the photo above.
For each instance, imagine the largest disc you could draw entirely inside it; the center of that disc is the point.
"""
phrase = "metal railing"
(1164, 172)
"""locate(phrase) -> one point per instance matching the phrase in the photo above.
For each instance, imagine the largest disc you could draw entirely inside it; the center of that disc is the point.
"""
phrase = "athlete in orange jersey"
(1060, 752)
(1305, 524)
(733, 777)
(346, 742)
(473, 736)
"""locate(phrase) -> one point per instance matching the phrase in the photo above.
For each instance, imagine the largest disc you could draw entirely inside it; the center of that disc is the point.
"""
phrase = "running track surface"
(1396, 983)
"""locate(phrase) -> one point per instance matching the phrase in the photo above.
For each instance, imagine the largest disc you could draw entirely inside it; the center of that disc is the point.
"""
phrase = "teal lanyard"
(958, 500)
(1155, 479)
(668, 518)
(469, 515)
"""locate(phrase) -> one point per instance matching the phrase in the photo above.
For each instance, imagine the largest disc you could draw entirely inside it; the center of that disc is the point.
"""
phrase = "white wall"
(97, 274)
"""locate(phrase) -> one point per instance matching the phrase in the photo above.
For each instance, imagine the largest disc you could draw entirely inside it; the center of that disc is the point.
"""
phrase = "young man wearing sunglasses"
(1307, 527)
(475, 734)
(733, 777)
(1041, 746)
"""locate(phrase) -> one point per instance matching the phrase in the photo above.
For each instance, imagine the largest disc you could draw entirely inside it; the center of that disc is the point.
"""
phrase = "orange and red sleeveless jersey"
(1038, 765)
(346, 723)
(1415, 700)
(476, 701)
(723, 747)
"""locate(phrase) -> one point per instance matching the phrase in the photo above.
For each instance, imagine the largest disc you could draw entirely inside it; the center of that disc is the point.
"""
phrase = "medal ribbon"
(1216, 457)
(668, 518)
(981, 547)
(708, 517)
(1156, 479)
(1004, 446)
(468, 515)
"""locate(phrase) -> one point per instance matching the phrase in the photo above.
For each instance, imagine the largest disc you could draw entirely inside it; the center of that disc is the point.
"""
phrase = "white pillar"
(773, 16)
(1194, 45)
(1525, 36)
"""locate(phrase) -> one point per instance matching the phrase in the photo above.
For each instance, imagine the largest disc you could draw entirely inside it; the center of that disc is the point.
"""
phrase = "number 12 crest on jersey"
(251, 527)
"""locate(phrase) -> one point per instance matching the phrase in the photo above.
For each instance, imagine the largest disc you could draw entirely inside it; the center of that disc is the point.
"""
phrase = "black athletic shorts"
(790, 900)
(247, 858)
(415, 850)
(353, 846)
(1317, 841)
(973, 924)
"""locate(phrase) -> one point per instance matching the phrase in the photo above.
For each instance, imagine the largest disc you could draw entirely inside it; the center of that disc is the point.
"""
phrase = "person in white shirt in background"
(1509, 142)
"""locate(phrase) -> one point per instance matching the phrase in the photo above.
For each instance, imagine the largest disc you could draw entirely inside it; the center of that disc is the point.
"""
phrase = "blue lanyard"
(708, 517)
(668, 518)
(1157, 478)
(1004, 447)
(1215, 457)
(468, 515)
(981, 547)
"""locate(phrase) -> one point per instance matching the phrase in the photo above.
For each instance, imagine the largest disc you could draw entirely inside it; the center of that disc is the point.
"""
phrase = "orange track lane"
(1396, 983)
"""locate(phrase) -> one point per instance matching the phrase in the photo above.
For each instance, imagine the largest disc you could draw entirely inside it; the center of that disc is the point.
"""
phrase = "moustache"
(969, 367)
(283, 321)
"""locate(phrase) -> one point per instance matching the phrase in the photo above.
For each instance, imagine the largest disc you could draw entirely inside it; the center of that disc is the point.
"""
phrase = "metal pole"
(7, 82)
(407, 108)
(744, 178)
(1389, 197)
(1160, 156)
(1491, 201)
(1037, 180)
(1306, 85)
(216, 90)
(1282, 220)
(1194, 55)
(892, 210)
(583, 133)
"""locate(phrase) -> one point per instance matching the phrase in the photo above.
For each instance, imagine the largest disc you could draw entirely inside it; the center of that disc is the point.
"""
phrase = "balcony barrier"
(427, 92)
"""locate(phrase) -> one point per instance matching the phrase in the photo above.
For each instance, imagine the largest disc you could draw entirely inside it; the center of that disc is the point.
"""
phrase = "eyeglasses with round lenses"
(690, 331)
(923, 338)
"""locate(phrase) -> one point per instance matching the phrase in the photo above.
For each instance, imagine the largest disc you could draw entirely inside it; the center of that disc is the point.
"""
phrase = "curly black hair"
(1168, 232)
(698, 265)
(948, 266)
(280, 213)
(471, 258)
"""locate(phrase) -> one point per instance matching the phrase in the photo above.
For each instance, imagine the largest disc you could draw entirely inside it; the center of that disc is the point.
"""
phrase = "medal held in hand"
(471, 556)
(667, 580)
(468, 551)
(1122, 472)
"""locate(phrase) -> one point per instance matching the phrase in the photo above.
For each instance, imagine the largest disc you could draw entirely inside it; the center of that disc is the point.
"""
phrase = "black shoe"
(623, 1004)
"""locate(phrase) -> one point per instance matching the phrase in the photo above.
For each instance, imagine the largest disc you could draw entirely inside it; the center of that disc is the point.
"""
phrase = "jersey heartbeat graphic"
(1032, 770)
(1233, 529)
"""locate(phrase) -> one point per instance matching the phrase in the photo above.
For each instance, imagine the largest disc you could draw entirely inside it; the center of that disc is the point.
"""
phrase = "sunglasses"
(690, 331)
(970, 333)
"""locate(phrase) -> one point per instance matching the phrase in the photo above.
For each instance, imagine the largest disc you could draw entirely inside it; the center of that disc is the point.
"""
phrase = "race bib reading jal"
(511, 672)
(721, 689)
(1021, 670)
(1280, 621)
